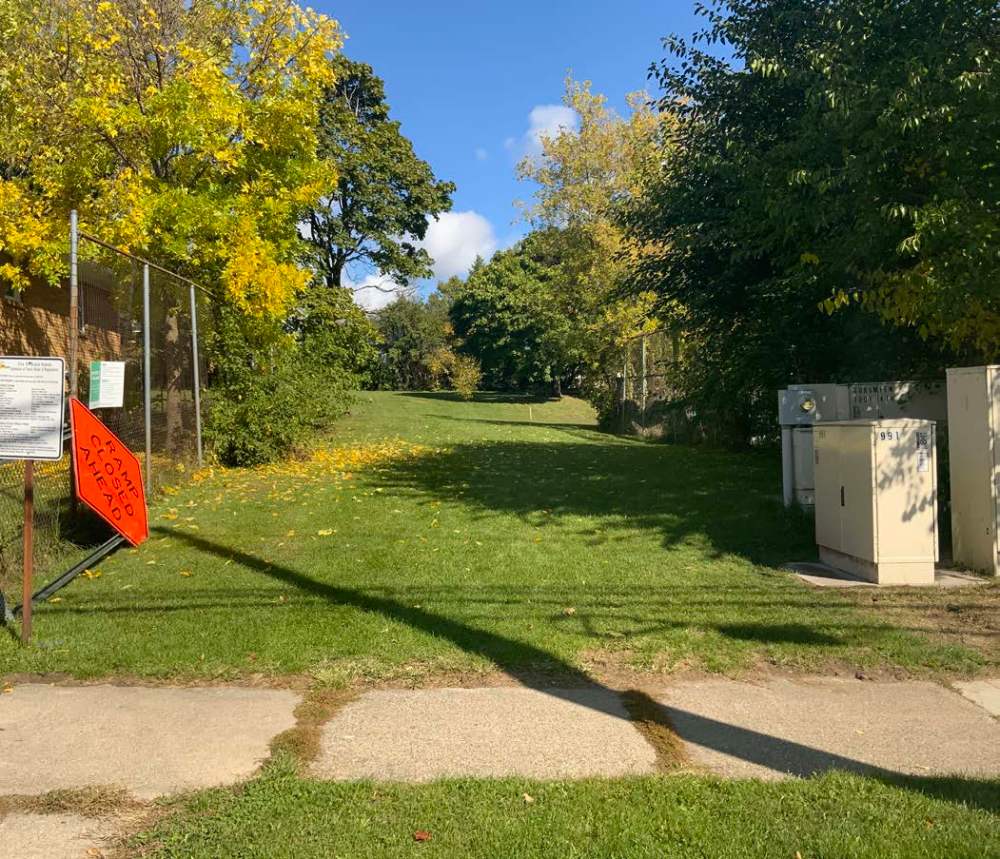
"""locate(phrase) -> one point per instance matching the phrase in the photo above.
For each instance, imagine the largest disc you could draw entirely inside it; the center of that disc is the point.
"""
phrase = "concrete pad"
(985, 693)
(50, 836)
(797, 728)
(957, 579)
(824, 576)
(419, 735)
(151, 741)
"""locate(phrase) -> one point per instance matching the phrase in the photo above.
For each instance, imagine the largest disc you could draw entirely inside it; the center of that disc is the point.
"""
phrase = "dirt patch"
(303, 741)
(652, 720)
(95, 802)
(257, 680)
(967, 617)
(118, 815)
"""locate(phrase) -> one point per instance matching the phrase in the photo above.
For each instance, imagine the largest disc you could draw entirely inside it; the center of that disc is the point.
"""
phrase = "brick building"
(36, 321)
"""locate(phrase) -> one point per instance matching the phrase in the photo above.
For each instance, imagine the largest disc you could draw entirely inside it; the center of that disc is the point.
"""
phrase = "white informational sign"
(107, 384)
(31, 407)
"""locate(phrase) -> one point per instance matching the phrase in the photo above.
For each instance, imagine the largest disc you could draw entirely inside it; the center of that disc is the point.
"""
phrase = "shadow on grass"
(791, 633)
(731, 502)
(539, 669)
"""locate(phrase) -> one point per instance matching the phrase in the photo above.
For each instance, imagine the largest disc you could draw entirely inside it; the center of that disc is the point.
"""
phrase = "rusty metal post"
(29, 549)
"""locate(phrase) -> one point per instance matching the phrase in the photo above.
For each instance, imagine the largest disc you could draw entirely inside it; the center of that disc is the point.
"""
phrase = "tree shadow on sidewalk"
(559, 678)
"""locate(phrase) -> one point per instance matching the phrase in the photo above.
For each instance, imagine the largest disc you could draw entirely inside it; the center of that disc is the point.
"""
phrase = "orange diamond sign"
(107, 475)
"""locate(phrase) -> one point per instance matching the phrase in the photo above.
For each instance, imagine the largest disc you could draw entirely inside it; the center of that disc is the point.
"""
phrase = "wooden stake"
(29, 548)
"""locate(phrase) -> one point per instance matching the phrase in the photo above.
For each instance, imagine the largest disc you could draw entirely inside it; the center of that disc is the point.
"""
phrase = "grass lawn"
(431, 535)
(838, 815)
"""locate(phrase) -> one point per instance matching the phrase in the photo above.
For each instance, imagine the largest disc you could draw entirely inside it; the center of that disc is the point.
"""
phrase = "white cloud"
(481, 154)
(454, 241)
(374, 292)
(547, 120)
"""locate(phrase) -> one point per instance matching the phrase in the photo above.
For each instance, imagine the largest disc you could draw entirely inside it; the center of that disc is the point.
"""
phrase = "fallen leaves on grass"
(421, 835)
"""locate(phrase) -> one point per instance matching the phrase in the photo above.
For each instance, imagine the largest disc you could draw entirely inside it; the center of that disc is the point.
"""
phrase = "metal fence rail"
(131, 310)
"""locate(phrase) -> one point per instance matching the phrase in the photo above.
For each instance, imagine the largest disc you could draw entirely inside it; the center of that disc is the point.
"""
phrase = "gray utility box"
(803, 407)
(974, 463)
(799, 408)
(876, 499)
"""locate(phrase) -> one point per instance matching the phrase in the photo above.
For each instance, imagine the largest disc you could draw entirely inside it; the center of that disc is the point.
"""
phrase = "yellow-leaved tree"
(182, 130)
(582, 176)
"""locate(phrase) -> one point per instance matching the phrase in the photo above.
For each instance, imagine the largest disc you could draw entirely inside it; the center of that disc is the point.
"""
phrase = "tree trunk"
(557, 388)
(172, 365)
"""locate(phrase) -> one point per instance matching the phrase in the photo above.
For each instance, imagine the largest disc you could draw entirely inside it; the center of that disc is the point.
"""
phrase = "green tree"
(582, 177)
(853, 145)
(335, 333)
(378, 210)
(778, 200)
(507, 315)
(414, 334)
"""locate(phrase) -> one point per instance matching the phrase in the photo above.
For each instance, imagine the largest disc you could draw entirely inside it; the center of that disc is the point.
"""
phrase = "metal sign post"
(147, 391)
(32, 405)
(197, 373)
(29, 549)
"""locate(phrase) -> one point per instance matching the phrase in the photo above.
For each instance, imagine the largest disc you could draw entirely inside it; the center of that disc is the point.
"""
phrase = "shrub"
(466, 375)
(270, 392)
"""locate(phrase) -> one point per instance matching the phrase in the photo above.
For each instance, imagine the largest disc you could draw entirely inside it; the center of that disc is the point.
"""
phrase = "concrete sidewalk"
(151, 741)
(158, 740)
(154, 741)
(403, 735)
(789, 728)
(778, 729)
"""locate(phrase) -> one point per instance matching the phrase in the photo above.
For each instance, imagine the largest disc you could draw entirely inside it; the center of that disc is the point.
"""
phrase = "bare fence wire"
(111, 316)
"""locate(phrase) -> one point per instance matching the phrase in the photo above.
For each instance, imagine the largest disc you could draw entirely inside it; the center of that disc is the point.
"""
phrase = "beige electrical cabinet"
(876, 499)
(974, 464)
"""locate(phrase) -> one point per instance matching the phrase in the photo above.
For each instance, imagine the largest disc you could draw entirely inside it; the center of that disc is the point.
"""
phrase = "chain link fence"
(648, 401)
(123, 304)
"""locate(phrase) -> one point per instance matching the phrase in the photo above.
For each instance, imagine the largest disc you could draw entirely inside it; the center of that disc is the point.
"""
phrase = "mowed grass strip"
(431, 535)
(846, 816)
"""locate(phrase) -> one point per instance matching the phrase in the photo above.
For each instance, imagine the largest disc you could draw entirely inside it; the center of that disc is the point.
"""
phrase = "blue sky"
(468, 80)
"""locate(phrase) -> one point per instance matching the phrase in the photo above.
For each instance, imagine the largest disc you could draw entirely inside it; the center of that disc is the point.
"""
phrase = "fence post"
(624, 388)
(74, 304)
(197, 373)
(147, 394)
(28, 550)
(643, 388)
